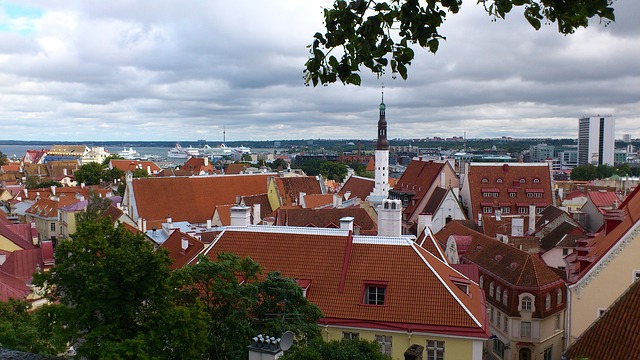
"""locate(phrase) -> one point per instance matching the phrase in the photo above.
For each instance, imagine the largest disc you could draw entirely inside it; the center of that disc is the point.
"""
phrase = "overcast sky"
(186, 69)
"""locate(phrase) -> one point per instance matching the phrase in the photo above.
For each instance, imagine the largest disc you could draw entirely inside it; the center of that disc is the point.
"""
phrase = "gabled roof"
(558, 234)
(603, 198)
(628, 214)
(179, 255)
(547, 215)
(192, 198)
(234, 169)
(196, 166)
(130, 165)
(12, 287)
(437, 197)
(421, 295)
(514, 266)
(326, 218)
(615, 334)
(72, 150)
(575, 194)
(416, 180)
(291, 187)
(23, 263)
(357, 187)
(19, 234)
(491, 226)
(262, 200)
(224, 213)
(47, 208)
(518, 178)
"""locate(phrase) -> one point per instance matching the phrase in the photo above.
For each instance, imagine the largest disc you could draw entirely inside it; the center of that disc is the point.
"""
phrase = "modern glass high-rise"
(596, 140)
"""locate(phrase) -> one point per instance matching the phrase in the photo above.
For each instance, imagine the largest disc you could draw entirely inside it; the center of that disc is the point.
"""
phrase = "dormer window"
(375, 294)
(526, 303)
(536, 181)
(499, 180)
(485, 180)
(522, 180)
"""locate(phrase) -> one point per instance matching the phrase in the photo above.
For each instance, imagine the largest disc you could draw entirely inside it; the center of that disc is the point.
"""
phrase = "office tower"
(596, 140)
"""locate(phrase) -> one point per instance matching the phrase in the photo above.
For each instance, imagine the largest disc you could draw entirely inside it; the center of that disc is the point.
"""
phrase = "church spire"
(382, 143)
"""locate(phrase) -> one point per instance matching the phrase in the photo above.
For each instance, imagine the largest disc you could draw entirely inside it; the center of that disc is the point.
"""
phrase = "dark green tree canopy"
(380, 34)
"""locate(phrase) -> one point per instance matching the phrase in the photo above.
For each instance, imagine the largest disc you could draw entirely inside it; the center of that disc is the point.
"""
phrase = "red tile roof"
(23, 263)
(234, 169)
(47, 208)
(418, 293)
(130, 165)
(518, 178)
(196, 166)
(514, 266)
(357, 187)
(259, 199)
(418, 179)
(326, 218)
(12, 287)
(291, 187)
(614, 335)
(179, 256)
(192, 198)
(313, 201)
(19, 234)
(603, 198)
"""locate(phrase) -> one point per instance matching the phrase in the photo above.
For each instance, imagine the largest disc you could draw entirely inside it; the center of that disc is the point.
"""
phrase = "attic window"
(522, 180)
(375, 294)
(461, 283)
(485, 180)
(499, 180)
(536, 180)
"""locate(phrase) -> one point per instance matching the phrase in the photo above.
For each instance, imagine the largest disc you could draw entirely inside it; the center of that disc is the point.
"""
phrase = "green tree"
(328, 169)
(584, 172)
(604, 171)
(90, 174)
(140, 173)
(108, 159)
(337, 350)
(277, 163)
(47, 184)
(238, 310)
(380, 34)
(3, 159)
(112, 174)
(116, 297)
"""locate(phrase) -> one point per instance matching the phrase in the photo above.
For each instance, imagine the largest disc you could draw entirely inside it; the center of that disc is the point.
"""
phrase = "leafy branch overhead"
(380, 34)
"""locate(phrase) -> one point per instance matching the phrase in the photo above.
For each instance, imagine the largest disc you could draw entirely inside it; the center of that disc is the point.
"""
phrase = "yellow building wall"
(7, 245)
(455, 348)
(272, 195)
(603, 289)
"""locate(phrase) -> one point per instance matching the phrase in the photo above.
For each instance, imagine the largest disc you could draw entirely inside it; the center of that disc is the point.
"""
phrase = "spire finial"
(383, 93)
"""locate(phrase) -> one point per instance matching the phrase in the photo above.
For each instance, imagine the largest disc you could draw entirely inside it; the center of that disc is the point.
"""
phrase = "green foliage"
(584, 173)
(139, 173)
(379, 35)
(238, 310)
(279, 163)
(591, 172)
(28, 331)
(115, 295)
(90, 174)
(361, 170)
(355, 349)
(3, 159)
(112, 174)
(108, 159)
(328, 169)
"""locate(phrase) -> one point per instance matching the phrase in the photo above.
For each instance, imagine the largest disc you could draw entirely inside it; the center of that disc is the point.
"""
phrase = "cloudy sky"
(184, 70)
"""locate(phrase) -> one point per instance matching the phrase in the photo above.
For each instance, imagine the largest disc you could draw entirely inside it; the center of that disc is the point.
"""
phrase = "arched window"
(491, 289)
(498, 293)
(547, 302)
(482, 281)
(499, 180)
(526, 303)
(559, 297)
(505, 297)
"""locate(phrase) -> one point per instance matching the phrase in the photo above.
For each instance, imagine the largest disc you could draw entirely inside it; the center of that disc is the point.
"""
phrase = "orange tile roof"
(179, 256)
(313, 201)
(603, 198)
(260, 199)
(326, 218)
(291, 187)
(357, 187)
(130, 165)
(234, 169)
(419, 293)
(614, 335)
(418, 179)
(507, 178)
(192, 198)
(47, 208)
(195, 166)
(224, 212)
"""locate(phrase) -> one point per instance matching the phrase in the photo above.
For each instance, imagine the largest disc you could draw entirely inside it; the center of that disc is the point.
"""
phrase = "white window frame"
(350, 335)
(435, 350)
(373, 296)
(525, 334)
(635, 275)
(547, 301)
(386, 343)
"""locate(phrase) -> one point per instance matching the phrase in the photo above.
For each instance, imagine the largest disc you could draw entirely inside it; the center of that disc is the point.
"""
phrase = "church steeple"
(382, 143)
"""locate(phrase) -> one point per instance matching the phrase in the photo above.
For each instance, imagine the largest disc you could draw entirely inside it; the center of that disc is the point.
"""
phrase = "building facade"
(596, 140)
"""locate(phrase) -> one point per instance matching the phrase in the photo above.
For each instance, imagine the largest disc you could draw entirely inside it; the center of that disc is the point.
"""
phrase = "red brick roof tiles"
(603, 198)
(180, 256)
(357, 187)
(418, 179)
(291, 187)
(326, 218)
(23, 263)
(507, 178)
(130, 165)
(19, 234)
(614, 335)
(416, 298)
(313, 201)
(192, 199)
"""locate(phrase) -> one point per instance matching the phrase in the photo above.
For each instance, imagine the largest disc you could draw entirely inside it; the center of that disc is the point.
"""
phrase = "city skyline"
(185, 71)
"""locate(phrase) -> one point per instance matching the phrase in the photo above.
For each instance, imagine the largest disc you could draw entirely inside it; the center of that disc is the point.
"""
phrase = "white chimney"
(185, 245)
(169, 222)
(26, 193)
(443, 180)
(148, 169)
(206, 161)
(82, 185)
(424, 220)
(390, 218)
(208, 223)
(301, 199)
(64, 171)
(240, 216)
(346, 223)
(144, 225)
(532, 219)
(140, 223)
(256, 214)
